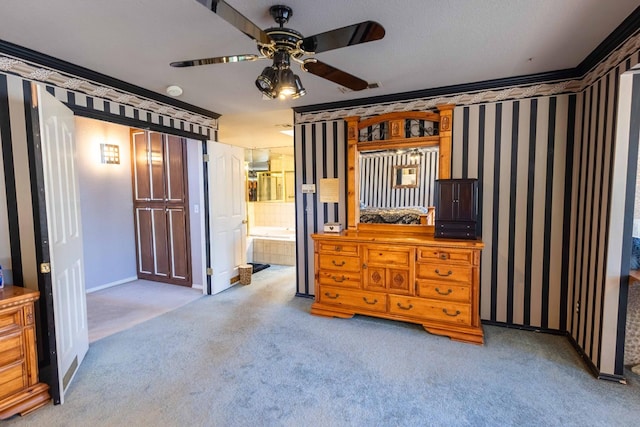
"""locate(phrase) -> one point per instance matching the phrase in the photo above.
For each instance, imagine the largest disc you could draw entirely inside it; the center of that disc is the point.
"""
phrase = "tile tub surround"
(271, 214)
(273, 245)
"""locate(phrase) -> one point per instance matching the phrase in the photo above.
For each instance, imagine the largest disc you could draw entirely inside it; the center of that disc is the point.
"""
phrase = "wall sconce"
(110, 154)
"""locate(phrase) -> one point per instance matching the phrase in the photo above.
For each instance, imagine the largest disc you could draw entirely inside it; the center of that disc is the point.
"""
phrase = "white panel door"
(65, 236)
(228, 229)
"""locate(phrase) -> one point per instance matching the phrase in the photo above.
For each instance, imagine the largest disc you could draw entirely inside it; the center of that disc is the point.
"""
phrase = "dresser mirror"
(393, 162)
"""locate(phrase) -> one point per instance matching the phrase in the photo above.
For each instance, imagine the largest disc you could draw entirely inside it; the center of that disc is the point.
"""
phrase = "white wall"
(107, 205)
(196, 219)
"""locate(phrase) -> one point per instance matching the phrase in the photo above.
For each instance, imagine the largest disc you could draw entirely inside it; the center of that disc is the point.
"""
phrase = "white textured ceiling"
(428, 44)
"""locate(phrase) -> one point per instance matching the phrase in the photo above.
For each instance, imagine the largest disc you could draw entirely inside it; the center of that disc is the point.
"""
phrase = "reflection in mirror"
(397, 186)
(270, 175)
(405, 176)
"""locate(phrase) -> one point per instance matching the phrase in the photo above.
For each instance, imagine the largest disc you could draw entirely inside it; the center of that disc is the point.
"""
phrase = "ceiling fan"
(283, 45)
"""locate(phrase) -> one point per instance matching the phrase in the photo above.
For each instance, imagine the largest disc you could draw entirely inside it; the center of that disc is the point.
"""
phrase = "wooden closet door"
(161, 207)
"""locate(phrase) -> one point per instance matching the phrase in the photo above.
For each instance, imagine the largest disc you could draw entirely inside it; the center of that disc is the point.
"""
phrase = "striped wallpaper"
(376, 174)
(545, 173)
(591, 221)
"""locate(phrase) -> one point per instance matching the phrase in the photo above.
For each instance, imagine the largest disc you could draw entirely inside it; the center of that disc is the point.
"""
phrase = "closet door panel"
(160, 242)
(178, 238)
(144, 238)
(141, 170)
(157, 166)
(175, 156)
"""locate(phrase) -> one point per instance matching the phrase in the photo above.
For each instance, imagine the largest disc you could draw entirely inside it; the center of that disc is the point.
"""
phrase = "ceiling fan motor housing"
(280, 13)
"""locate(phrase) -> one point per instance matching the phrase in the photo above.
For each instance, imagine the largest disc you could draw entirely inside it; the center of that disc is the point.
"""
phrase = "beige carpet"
(120, 307)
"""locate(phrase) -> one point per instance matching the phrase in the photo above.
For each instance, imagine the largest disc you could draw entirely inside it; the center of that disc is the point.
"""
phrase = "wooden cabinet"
(420, 279)
(20, 390)
(161, 207)
(456, 208)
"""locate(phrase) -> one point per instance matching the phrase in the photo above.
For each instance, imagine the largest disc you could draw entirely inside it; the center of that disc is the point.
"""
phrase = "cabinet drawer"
(349, 279)
(339, 262)
(458, 256)
(430, 309)
(10, 317)
(444, 272)
(388, 255)
(11, 347)
(12, 379)
(371, 301)
(445, 291)
(338, 248)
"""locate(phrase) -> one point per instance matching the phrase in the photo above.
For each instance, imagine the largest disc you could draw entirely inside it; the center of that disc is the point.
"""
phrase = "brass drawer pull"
(338, 248)
(333, 261)
(444, 310)
(339, 279)
(400, 306)
(444, 255)
(444, 293)
(449, 273)
(375, 301)
(328, 295)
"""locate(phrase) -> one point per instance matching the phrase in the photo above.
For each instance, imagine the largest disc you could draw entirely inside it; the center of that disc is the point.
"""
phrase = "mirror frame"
(395, 175)
(396, 139)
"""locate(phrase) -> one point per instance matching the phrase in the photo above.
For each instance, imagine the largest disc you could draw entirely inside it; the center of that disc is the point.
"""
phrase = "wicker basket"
(245, 271)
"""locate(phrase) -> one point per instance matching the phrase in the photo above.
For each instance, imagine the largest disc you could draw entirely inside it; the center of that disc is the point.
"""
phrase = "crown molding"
(46, 61)
(618, 37)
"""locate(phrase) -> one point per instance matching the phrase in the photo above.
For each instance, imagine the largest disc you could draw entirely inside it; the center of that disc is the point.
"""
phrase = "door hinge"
(209, 271)
(205, 157)
(45, 268)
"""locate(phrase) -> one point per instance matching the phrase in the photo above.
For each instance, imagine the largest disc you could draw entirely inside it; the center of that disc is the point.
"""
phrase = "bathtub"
(272, 245)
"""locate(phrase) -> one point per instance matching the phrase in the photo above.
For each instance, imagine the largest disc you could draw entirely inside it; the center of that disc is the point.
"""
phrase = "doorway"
(116, 299)
(271, 206)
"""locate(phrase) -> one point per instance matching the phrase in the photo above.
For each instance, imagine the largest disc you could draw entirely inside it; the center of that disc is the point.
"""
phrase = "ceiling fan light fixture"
(286, 83)
(300, 90)
(267, 82)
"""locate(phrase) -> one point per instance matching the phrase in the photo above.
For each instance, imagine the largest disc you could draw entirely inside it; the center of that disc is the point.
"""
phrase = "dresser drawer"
(10, 317)
(12, 379)
(338, 248)
(458, 256)
(444, 272)
(429, 309)
(339, 262)
(349, 279)
(445, 291)
(371, 301)
(11, 347)
(388, 255)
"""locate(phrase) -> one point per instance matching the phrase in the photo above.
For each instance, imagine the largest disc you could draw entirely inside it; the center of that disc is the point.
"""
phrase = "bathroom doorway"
(271, 220)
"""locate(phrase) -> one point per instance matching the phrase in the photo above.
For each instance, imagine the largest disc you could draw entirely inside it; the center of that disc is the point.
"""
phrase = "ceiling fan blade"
(238, 20)
(216, 60)
(328, 72)
(363, 32)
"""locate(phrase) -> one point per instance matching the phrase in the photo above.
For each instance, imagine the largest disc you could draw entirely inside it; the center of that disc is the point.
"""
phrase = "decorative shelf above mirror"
(393, 162)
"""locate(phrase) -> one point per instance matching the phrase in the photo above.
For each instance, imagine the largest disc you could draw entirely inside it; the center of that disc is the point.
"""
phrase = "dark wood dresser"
(456, 208)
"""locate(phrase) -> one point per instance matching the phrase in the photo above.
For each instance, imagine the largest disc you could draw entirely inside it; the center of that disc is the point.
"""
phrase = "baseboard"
(116, 283)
